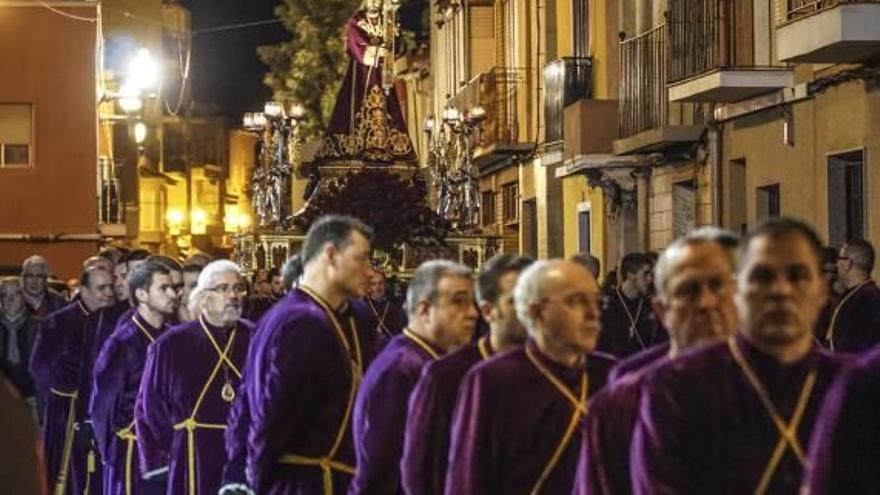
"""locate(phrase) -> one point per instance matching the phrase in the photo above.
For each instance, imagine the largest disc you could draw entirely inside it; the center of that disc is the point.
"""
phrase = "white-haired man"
(694, 301)
(516, 426)
(39, 298)
(190, 380)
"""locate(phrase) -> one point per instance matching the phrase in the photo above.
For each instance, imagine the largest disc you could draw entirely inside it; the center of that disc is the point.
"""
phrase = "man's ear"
(536, 312)
(141, 295)
(330, 252)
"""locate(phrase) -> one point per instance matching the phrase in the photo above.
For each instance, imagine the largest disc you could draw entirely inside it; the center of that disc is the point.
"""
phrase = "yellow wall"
(576, 191)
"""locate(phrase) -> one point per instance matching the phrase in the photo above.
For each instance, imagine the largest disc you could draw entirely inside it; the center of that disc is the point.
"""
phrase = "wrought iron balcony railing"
(707, 34)
(786, 11)
(643, 97)
(109, 200)
(566, 80)
(499, 92)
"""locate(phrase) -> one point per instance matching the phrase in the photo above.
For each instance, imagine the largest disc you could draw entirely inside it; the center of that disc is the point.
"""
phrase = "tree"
(308, 69)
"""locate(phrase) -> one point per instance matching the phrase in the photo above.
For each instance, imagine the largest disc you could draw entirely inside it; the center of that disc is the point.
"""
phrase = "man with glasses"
(426, 446)
(736, 417)
(854, 324)
(516, 426)
(189, 383)
(305, 365)
(694, 301)
(39, 298)
(59, 365)
(118, 371)
(440, 303)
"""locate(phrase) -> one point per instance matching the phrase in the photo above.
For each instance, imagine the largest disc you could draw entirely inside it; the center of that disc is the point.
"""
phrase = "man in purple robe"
(845, 455)
(189, 279)
(442, 316)
(736, 417)
(58, 366)
(40, 300)
(304, 368)
(854, 324)
(426, 445)
(628, 324)
(391, 319)
(118, 371)
(694, 300)
(516, 425)
(189, 382)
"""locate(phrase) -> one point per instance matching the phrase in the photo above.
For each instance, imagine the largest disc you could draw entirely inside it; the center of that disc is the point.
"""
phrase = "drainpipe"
(715, 164)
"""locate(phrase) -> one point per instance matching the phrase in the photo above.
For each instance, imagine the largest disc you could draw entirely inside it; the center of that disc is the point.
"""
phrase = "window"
(846, 197)
(684, 197)
(584, 231)
(768, 202)
(510, 202)
(16, 134)
(487, 203)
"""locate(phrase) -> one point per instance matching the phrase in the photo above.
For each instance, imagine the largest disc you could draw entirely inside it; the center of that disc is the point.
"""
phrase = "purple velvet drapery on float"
(367, 125)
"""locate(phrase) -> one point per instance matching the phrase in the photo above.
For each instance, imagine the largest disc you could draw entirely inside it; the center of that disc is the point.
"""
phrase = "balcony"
(647, 121)
(827, 31)
(111, 218)
(566, 80)
(711, 53)
(502, 92)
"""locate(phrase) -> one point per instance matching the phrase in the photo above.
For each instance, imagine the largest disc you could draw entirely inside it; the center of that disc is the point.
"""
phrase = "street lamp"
(451, 157)
(278, 129)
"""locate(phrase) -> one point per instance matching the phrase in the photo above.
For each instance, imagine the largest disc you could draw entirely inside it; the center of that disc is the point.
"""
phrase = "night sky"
(225, 69)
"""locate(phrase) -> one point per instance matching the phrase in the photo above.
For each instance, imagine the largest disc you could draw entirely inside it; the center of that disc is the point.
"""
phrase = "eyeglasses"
(227, 290)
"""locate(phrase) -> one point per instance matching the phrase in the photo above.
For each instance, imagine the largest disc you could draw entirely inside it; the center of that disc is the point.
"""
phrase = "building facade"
(48, 134)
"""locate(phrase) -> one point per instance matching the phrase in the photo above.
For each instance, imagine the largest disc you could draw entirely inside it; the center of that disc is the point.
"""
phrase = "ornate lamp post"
(451, 158)
(280, 142)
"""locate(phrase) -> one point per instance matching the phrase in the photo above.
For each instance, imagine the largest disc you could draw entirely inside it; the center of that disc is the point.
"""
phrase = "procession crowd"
(720, 366)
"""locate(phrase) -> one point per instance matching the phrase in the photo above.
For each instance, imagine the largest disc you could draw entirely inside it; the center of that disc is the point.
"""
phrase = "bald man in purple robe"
(304, 367)
(118, 372)
(189, 382)
(426, 444)
(516, 426)
(737, 417)
(58, 366)
(845, 456)
(694, 300)
(442, 316)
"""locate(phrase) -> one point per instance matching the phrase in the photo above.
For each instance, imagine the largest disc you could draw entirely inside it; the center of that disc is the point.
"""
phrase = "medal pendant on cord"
(227, 392)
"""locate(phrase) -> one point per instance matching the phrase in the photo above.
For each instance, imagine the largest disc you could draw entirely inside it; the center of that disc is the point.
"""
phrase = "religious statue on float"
(367, 126)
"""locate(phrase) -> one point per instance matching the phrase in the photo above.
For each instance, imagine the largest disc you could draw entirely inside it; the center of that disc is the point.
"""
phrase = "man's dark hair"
(192, 268)
(274, 272)
(589, 262)
(779, 227)
(862, 255)
(135, 255)
(142, 277)
(631, 264)
(114, 254)
(169, 263)
(492, 271)
(333, 229)
(255, 277)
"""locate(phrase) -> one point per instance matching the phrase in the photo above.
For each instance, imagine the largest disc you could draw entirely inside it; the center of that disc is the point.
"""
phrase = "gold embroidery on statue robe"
(374, 138)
